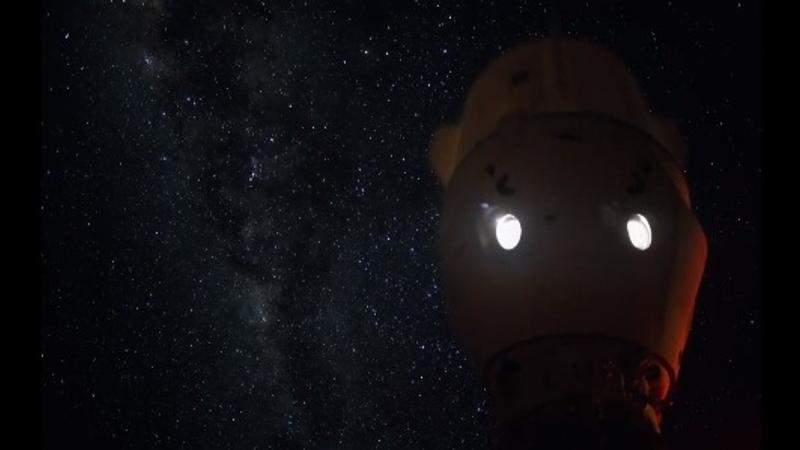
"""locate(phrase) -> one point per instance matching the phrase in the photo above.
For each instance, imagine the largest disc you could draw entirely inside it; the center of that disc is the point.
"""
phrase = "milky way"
(239, 218)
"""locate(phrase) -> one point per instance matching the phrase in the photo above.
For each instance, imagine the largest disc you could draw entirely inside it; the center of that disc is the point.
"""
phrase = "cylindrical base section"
(573, 391)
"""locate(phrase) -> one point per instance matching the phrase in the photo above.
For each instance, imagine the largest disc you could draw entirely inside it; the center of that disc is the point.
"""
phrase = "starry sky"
(238, 217)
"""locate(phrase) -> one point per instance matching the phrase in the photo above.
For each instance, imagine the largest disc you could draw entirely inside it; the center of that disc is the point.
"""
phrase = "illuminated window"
(639, 232)
(508, 231)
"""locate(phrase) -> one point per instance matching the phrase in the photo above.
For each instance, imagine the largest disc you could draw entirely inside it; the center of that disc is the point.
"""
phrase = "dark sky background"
(237, 215)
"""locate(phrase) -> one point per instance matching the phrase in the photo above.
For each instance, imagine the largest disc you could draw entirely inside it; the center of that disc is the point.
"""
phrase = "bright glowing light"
(639, 232)
(508, 231)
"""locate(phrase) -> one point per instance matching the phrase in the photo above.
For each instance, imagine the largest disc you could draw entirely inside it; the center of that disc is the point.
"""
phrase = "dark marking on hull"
(502, 186)
(638, 186)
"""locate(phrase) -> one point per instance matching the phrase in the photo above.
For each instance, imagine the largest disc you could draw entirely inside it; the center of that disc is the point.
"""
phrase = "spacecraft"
(569, 254)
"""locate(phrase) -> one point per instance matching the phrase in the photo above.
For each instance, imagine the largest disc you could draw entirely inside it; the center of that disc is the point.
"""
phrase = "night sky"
(238, 217)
